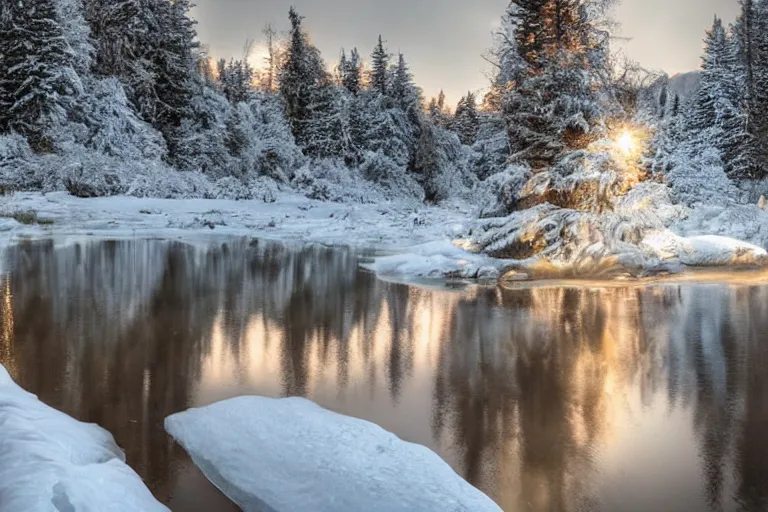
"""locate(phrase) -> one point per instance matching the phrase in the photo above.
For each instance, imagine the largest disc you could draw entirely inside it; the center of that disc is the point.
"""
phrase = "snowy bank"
(643, 234)
(290, 454)
(393, 225)
(49, 461)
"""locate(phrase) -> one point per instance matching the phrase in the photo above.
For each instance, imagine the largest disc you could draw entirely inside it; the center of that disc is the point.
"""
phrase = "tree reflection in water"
(545, 398)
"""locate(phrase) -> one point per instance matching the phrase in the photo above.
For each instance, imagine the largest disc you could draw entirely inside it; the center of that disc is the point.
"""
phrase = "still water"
(547, 399)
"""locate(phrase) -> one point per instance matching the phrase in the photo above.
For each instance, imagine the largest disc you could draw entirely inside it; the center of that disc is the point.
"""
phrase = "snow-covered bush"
(491, 149)
(279, 156)
(263, 188)
(382, 170)
(92, 174)
(330, 180)
(104, 121)
(501, 191)
(202, 138)
(700, 178)
(19, 169)
(230, 188)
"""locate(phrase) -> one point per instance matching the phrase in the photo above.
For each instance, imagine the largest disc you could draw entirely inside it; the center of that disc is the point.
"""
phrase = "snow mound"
(707, 250)
(436, 260)
(49, 461)
(290, 454)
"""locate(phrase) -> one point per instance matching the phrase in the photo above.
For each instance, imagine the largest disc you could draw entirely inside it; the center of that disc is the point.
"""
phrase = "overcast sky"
(443, 39)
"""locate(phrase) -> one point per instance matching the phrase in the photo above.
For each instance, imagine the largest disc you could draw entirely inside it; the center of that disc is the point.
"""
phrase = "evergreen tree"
(270, 60)
(718, 119)
(37, 79)
(151, 46)
(235, 80)
(173, 63)
(327, 131)
(466, 121)
(379, 68)
(676, 106)
(438, 114)
(350, 71)
(663, 98)
(301, 73)
(405, 93)
(427, 163)
(551, 102)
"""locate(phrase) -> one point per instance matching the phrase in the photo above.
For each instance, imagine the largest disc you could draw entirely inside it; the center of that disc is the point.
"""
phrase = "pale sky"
(443, 40)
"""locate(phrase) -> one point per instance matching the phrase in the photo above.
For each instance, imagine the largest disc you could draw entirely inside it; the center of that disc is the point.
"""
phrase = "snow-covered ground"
(389, 227)
(290, 454)
(51, 462)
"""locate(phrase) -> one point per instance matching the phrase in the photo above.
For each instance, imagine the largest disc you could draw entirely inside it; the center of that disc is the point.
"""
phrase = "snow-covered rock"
(290, 454)
(51, 462)
(709, 250)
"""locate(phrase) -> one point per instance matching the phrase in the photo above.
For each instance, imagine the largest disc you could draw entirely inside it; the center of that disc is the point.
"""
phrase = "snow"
(414, 241)
(710, 250)
(391, 226)
(49, 461)
(290, 454)
(437, 260)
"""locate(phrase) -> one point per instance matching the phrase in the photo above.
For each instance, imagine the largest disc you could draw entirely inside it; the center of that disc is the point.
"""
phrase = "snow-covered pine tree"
(235, 80)
(151, 46)
(123, 32)
(77, 34)
(341, 67)
(173, 63)
(427, 163)
(406, 94)
(551, 102)
(466, 120)
(326, 132)
(301, 73)
(379, 74)
(37, 77)
(663, 99)
(269, 79)
(717, 119)
(438, 114)
(350, 70)
(676, 106)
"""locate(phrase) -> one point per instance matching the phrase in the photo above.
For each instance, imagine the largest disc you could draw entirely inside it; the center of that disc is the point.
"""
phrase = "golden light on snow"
(626, 143)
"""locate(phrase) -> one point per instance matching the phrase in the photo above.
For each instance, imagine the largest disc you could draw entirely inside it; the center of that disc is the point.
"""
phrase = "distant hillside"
(682, 85)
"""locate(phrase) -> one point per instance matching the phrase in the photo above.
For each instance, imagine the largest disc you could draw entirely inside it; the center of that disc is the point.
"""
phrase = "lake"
(558, 398)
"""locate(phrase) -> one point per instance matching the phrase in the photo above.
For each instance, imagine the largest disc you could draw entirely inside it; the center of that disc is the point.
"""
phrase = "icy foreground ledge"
(290, 454)
(51, 462)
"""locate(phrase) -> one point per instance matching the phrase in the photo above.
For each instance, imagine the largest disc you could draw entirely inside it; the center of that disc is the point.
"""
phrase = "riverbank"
(409, 239)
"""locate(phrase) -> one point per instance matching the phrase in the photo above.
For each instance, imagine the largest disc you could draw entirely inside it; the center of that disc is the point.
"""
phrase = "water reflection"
(547, 399)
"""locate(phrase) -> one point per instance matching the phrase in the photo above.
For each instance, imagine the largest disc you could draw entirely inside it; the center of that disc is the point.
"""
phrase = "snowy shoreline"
(52, 461)
(408, 240)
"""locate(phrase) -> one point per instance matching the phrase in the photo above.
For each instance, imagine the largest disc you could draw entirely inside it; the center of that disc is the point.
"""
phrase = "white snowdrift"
(290, 454)
(707, 251)
(436, 260)
(49, 461)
